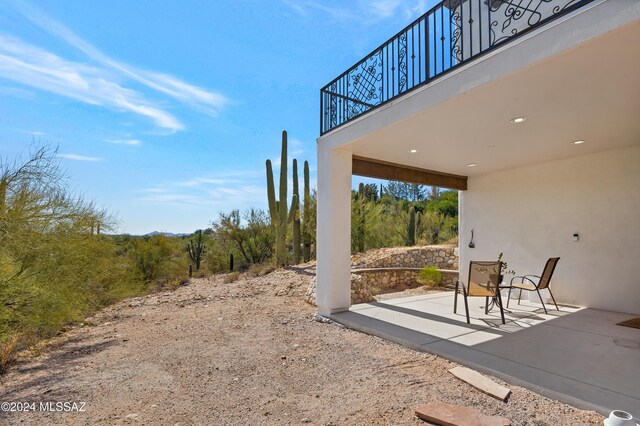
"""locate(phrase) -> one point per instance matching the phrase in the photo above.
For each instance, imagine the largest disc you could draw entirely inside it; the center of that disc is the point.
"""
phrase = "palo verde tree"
(52, 267)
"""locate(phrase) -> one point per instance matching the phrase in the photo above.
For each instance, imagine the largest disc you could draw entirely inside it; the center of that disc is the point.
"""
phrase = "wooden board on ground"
(481, 382)
(633, 322)
(443, 414)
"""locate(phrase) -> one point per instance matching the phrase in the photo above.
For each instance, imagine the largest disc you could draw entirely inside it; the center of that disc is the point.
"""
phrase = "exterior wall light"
(578, 142)
(517, 120)
(471, 165)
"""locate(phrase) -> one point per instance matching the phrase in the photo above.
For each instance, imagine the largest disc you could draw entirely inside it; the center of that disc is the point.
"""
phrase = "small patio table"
(494, 300)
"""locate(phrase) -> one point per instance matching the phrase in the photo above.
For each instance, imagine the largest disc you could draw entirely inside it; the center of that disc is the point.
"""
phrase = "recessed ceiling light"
(413, 151)
(517, 120)
(471, 165)
(578, 142)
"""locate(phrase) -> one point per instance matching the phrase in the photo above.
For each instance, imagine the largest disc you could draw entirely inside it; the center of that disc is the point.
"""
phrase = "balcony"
(451, 34)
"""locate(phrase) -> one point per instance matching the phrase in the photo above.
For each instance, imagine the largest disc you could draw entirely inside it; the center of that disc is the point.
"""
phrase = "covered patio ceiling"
(589, 92)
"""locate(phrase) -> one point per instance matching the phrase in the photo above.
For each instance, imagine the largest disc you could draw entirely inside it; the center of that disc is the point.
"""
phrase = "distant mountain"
(166, 234)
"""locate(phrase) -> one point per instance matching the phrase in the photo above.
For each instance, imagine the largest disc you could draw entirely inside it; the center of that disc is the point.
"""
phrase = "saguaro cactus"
(306, 216)
(196, 251)
(278, 208)
(360, 231)
(411, 229)
(295, 206)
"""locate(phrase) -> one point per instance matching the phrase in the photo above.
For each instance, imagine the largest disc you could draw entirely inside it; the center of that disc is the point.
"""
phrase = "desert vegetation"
(60, 259)
(56, 262)
(402, 214)
(390, 215)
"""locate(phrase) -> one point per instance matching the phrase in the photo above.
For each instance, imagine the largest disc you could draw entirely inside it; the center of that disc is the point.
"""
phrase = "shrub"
(8, 352)
(232, 277)
(262, 269)
(429, 276)
(173, 283)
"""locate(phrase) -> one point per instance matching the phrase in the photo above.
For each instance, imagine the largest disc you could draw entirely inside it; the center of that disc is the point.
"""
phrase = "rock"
(321, 319)
(443, 414)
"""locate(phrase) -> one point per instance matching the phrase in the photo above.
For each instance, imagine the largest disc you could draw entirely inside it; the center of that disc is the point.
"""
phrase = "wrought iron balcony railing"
(449, 35)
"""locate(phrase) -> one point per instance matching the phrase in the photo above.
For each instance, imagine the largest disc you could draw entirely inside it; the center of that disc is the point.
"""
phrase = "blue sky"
(165, 112)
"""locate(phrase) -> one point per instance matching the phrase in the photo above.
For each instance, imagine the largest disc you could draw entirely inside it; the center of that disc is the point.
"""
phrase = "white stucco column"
(333, 293)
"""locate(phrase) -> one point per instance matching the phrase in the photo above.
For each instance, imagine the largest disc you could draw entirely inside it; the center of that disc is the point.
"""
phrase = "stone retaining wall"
(366, 281)
(359, 291)
(380, 280)
(441, 256)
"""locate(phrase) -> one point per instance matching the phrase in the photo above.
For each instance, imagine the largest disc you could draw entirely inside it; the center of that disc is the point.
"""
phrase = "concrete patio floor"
(579, 356)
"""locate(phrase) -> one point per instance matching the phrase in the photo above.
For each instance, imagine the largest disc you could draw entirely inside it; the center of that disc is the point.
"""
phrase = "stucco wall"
(531, 214)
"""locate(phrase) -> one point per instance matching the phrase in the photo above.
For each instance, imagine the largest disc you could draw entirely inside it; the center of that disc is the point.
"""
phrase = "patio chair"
(484, 281)
(543, 282)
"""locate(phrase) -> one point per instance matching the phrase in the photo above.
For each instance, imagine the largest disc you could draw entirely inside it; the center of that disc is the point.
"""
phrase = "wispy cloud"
(222, 191)
(296, 147)
(405, 9)
(223, 178)
(364, 12)
(309, 7)
(223, 197)
(77, 157)
(101, 83)
(33, 66)
(164, 83)
(176, 199)
(33, 132)
(209, 102)
(17, 92)
(385, 8)
(154, 190)
(133, 142)
(208, 181)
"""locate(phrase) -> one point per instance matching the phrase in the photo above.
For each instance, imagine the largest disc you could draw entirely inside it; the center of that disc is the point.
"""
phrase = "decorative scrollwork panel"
(364, 82)
(511, 17)
(452, 33)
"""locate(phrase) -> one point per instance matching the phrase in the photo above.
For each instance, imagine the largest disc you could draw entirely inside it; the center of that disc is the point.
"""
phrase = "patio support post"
(333, 292)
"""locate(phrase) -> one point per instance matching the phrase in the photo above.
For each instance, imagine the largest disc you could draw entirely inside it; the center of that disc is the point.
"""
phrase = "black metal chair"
(484, 281)
(543, 283)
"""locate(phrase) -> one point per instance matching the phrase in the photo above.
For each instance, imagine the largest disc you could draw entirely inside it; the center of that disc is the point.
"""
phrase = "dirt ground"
(247, 352)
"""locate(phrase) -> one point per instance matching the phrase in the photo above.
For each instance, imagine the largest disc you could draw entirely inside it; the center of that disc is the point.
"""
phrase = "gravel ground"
(248, 352)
